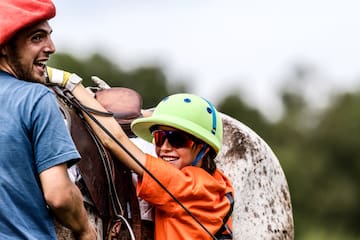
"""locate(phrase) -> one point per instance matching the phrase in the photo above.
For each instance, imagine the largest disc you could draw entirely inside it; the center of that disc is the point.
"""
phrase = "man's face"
(28, 52)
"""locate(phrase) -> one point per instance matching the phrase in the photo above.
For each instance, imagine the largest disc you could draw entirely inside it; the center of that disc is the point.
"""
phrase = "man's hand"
(88, 234)
(63, 78)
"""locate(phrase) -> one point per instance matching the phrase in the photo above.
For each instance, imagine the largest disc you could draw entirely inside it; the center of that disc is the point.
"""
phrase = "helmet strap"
(200, 155)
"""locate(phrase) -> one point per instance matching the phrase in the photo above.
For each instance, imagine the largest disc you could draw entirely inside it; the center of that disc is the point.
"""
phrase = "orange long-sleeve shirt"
(201, 193)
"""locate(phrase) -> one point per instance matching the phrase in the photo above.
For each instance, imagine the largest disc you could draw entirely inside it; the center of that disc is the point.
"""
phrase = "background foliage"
(318, 149)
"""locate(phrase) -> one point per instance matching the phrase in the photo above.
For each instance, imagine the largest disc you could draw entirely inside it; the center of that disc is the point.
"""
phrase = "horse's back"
(262, 200)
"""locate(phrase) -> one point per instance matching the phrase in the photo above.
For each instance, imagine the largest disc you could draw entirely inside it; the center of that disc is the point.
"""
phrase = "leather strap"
(225, 227)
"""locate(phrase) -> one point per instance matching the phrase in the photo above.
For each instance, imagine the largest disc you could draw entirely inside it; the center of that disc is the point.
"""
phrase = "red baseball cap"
(17, 14)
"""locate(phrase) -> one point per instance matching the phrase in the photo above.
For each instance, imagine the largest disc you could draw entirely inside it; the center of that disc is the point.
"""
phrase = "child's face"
(179, 154)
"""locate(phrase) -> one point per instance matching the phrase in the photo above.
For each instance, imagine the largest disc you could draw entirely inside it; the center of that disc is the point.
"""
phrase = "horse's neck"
(66, 114)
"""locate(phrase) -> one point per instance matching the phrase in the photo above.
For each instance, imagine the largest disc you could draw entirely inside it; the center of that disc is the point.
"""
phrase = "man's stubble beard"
(21, 72)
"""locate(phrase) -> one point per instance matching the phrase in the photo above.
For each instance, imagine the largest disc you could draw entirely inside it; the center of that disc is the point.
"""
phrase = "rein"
(117, 210)
(89, 112)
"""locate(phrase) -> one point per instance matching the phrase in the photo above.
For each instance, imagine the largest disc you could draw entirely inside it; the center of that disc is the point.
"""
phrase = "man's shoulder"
(11, 83)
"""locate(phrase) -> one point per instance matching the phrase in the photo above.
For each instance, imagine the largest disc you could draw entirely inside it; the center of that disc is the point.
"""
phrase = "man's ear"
(3, 51)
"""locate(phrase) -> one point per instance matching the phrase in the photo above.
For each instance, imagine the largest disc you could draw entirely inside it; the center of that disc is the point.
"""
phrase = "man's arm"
(65, 201)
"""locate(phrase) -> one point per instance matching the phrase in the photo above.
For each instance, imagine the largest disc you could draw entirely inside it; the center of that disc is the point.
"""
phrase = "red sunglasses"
(175, 138)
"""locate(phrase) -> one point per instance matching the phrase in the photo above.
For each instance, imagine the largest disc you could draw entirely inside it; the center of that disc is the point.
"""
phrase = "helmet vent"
(187, 100)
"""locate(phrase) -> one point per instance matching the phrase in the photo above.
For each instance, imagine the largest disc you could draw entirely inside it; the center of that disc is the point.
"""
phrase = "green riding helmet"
(188, 113)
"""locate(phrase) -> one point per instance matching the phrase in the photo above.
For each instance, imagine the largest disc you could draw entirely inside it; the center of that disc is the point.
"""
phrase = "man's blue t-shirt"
(33, 138)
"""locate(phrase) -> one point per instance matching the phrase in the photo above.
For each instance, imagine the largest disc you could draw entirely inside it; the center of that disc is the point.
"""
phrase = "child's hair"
(208, 161)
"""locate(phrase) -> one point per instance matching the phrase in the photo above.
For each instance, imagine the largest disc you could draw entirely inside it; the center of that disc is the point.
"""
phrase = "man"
(36, 147)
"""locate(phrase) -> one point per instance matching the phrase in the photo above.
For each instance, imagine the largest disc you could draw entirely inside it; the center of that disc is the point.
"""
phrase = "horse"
(262, 208)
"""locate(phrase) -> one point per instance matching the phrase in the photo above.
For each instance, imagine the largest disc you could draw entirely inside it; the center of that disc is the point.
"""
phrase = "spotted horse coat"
(263, 207)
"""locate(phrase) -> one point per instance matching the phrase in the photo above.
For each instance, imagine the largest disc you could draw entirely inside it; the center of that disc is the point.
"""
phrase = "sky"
(221, 46)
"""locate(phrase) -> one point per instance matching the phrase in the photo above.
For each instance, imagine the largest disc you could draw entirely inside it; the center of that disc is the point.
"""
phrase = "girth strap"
(225, 227)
